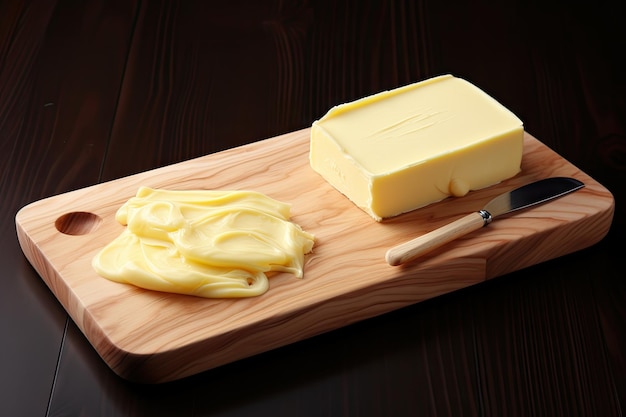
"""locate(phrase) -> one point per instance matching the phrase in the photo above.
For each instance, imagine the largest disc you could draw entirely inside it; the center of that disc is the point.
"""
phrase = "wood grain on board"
(155, 337)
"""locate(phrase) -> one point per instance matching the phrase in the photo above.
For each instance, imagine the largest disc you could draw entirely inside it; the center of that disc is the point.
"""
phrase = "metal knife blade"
(523, 197)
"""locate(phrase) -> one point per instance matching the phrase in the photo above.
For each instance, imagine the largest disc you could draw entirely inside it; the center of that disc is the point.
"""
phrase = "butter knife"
(523, 197)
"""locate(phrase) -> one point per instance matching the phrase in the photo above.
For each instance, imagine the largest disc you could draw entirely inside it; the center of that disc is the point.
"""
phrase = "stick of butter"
(403, 149)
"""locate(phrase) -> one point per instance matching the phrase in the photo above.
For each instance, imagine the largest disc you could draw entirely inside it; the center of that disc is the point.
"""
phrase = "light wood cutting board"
(155, 337)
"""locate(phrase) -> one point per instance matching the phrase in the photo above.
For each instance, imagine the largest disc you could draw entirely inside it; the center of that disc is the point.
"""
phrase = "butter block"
(403, 149)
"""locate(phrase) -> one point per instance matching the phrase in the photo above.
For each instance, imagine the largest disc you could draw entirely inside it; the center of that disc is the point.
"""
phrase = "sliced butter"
(207, 243)
(399, 150)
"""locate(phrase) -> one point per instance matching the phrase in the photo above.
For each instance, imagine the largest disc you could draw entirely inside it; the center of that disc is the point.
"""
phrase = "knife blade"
(520, 198)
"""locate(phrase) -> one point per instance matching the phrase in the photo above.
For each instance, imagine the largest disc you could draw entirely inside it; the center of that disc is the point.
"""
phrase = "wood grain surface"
(148, 336)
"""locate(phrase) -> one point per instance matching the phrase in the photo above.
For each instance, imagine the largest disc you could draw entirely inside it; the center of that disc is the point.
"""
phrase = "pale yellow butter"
(399, 150)
(203, 242)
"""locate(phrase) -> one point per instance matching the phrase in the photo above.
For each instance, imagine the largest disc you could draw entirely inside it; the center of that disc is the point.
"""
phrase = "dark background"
(94, 90)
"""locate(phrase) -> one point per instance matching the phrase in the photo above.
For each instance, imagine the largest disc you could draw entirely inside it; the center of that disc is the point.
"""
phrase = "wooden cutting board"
(153, 337)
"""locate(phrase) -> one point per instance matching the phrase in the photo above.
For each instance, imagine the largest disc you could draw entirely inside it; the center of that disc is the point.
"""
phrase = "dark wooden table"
(95, 90)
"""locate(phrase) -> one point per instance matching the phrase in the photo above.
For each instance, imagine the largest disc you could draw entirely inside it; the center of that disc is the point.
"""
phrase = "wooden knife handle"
(412, 249)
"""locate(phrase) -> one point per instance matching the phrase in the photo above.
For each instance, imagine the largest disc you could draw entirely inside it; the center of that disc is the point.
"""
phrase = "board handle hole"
(77, 223)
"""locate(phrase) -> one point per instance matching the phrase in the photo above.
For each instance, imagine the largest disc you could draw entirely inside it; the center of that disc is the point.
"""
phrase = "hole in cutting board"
(77, 223)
